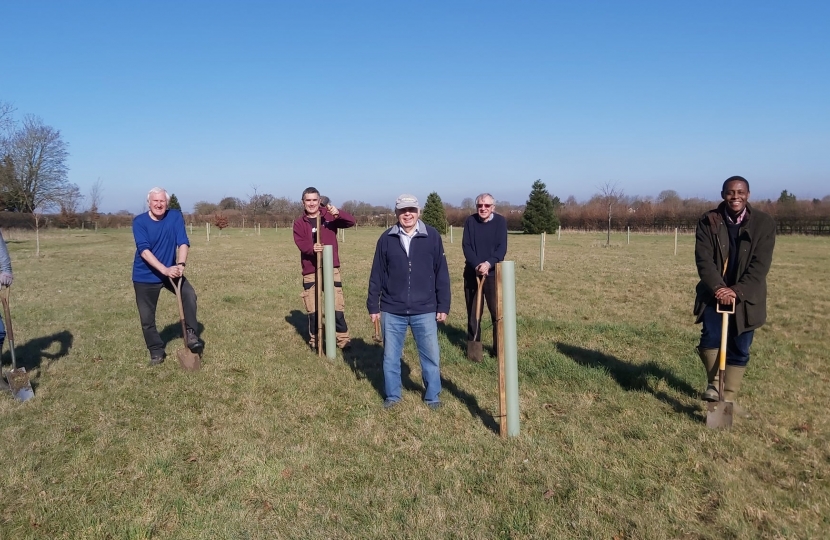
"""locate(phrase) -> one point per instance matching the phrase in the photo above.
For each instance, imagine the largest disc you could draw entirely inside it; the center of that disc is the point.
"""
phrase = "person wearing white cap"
(409, 287)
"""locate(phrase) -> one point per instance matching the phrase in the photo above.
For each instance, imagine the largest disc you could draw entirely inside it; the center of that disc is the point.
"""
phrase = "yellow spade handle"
(724, 329)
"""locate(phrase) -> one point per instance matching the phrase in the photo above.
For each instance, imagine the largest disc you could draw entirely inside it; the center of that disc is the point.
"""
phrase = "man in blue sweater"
(485, 244)
(161, 255)
(410, 287)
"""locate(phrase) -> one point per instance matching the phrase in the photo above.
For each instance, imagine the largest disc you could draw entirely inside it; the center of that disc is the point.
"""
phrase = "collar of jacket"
(421, 229)
(718, 218)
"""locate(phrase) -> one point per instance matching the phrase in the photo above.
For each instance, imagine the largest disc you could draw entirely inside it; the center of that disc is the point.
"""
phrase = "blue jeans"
(425, 331)
(737, 346)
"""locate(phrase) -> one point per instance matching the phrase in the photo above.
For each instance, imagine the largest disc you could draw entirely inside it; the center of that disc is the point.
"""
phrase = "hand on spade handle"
(725, 296)
(175, 271)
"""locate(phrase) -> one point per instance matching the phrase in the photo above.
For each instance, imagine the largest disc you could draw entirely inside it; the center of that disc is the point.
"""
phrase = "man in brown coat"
(733, 253)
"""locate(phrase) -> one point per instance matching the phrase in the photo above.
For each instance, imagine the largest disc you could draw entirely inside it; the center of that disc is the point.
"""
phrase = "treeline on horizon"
(663, 213)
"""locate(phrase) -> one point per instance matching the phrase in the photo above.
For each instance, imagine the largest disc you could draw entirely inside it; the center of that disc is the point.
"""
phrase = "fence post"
(628, 234)
(542, 251)
(675, 240)
(559, 233)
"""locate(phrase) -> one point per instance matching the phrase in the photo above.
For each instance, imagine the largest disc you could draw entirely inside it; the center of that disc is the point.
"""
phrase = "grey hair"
(156, 190)
(484, 196)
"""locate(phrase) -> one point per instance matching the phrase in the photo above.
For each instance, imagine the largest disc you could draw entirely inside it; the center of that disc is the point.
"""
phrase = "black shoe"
(156, 360)
(193, 342)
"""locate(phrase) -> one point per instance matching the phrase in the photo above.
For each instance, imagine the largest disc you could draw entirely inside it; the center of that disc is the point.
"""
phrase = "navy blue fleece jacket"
(409, 285)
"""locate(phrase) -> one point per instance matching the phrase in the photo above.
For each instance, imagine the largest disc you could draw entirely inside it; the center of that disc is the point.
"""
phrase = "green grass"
(270, 441)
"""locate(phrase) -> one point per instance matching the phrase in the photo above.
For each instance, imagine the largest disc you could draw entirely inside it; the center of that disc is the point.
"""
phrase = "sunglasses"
(484, 205)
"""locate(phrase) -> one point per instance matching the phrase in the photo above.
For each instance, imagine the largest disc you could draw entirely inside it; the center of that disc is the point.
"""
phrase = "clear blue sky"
(366, 100)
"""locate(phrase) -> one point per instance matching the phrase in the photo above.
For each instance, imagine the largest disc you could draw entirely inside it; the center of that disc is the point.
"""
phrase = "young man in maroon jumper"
(305, 236)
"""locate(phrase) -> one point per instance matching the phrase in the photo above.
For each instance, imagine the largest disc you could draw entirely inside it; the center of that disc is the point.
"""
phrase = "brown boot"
(710, 362)
(731, 386)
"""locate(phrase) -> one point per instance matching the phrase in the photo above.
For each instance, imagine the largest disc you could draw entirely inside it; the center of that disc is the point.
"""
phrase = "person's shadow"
(456, 336)
(32, 354)
(300, 322)
(470, 401)
(634, 377)
(366, 362)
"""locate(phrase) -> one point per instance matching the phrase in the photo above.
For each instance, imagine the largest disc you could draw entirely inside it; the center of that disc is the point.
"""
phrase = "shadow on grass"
(634, 377)
(366, 361)
(299, 320)
(471, 403)
(456, 336)
(32, 354)
(174, 331)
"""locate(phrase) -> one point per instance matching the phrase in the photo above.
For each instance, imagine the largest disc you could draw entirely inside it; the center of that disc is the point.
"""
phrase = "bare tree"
(96, 194)
(38, 181)
(610, 195)
(6, 120)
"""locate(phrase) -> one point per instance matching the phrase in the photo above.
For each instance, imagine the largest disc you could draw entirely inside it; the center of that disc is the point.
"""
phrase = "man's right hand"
(375, 317)
(6, 279)
(174, 271)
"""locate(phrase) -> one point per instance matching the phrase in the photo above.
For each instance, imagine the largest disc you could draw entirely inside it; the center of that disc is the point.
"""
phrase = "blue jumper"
(162, 238)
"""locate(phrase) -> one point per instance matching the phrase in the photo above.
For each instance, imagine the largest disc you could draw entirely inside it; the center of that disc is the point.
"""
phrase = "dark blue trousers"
(737, 346)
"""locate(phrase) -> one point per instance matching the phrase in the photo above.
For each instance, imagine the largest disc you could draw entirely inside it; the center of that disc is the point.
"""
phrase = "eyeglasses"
(408, 210)
(484, 205)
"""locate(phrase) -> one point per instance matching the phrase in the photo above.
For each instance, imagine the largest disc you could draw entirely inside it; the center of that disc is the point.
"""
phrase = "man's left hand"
(440, 317)
(483, 269)
(6, 279)
(333, 211)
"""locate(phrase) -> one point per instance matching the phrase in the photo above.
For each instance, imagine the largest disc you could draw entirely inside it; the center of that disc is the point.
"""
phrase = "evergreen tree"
(786, 197)
(539, 215)
(174, 203)
(433, 213)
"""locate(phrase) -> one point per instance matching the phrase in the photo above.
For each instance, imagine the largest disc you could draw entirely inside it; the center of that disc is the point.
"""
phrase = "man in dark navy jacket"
(410, 287)
(485, 245)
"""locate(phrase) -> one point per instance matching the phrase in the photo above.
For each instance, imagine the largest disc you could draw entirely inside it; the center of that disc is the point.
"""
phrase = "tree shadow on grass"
(634, 377)
(32, 354)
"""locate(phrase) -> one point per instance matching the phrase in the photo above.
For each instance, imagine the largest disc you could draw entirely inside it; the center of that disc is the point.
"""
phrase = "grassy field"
(270, 441)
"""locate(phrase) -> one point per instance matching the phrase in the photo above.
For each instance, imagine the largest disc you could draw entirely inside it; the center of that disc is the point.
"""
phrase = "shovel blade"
(19, 384)
(719, 415)
(475, 351)
(189, 361)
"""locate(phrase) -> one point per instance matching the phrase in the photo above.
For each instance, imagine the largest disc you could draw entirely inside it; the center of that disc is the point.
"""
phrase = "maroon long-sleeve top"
(305, 235)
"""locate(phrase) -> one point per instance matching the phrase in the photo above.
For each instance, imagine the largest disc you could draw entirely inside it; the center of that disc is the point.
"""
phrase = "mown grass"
(270, 441)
